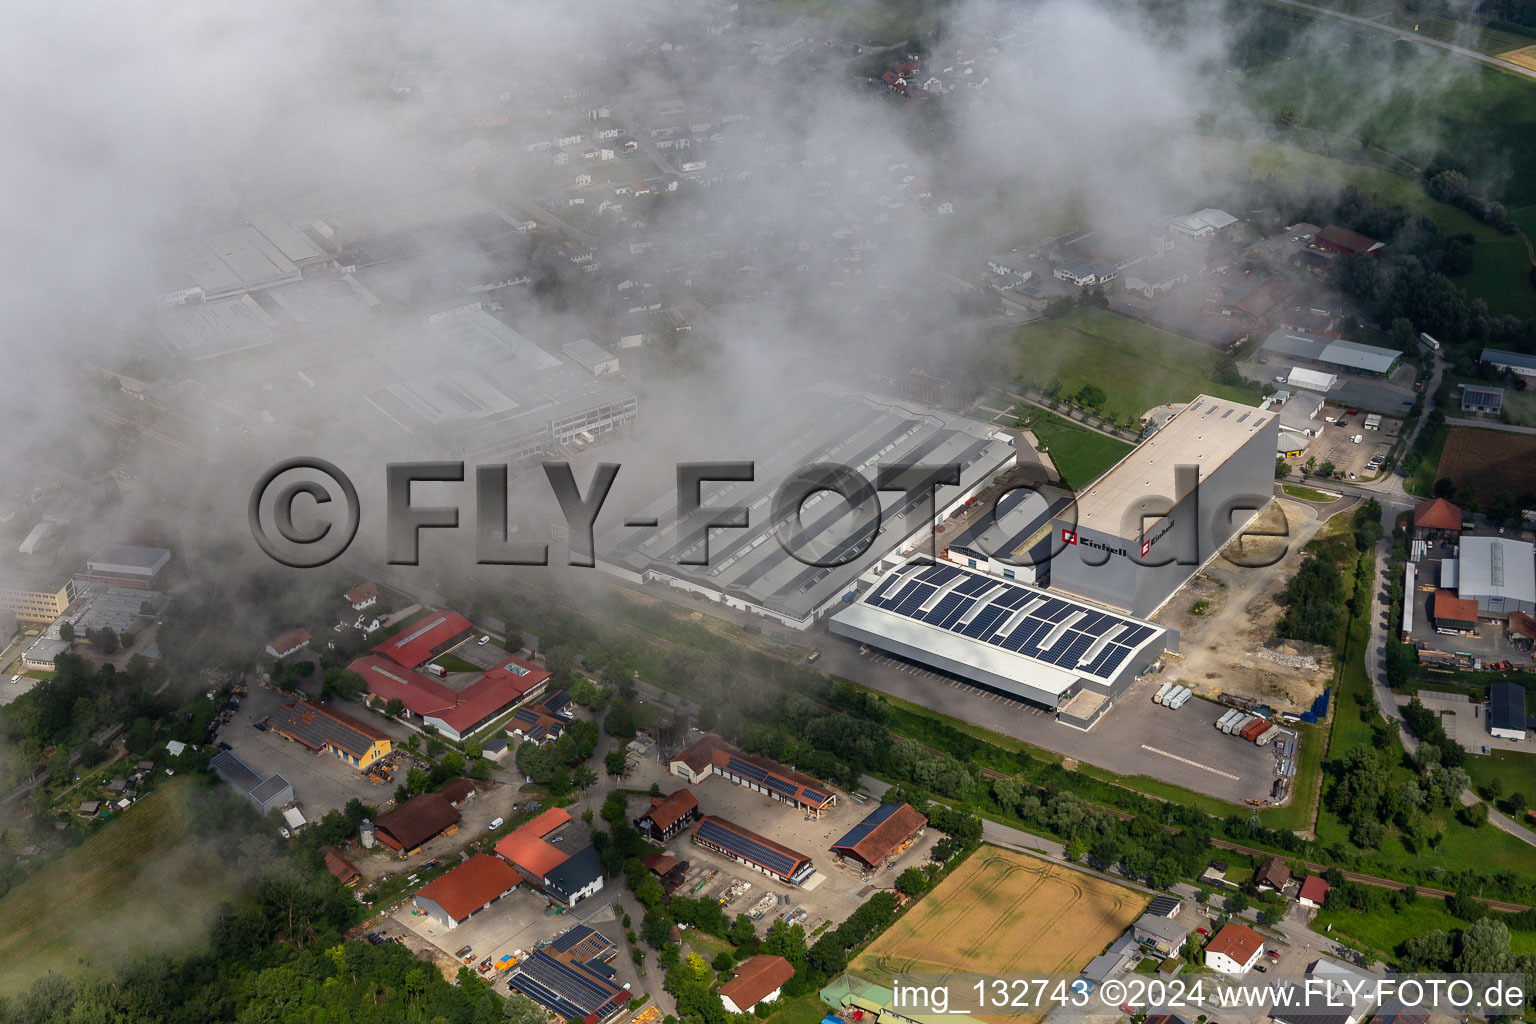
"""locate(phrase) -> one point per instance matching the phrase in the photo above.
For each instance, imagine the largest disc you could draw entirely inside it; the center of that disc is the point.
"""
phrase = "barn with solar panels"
(711, 755)
(571, 977)
(883, 834)
(757, 852)
(1020, 641)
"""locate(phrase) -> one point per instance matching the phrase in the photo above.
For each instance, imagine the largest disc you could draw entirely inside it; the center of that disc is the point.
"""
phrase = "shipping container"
(1162, 691)
(1227, 718)
(1264, 737)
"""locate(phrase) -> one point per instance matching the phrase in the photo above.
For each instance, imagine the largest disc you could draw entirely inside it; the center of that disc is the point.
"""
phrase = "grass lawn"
(1423, 478)
(1385, 928)
(454, 663)
(133, 886)
(1076, 349)
(1307, 493)
(1080, 455)
(805, 1009)
(1515, 771)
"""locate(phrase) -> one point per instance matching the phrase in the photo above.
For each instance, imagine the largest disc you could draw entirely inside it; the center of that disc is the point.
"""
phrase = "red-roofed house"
(288, 643)
(668, 816)
(364, 595)
(757, 980)
(1234, 949)
(1313, 892)
(1346, 242)
(454, 713)
(525, 849)
(1436, 519)
(467, 889)
(420, 642)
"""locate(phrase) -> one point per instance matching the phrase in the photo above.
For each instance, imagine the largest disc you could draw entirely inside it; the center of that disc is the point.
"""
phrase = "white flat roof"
(1206, 432)
(1497, 567)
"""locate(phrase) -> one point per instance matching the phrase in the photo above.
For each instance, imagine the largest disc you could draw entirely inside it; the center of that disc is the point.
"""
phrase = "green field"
(799, 1010)
(1158, 367)
(1383, 929)
(1515, 771)
(135, 885)
(1080, 455)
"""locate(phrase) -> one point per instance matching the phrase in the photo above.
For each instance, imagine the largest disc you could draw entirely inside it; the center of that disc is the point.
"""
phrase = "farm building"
(466, 890)
(1314, 892)
(711, 755)
(540, 723)
(1481, 398)
(1518, 363)
(1499, 574)
(1014, 541)
(288, 643)
(1312, 380)
(1202, 224)
(752, 850)
(1520, 631)
(668, 816)
(1346, 242)
(755, 981)
(1025, 643)
(264, 794)
(883, 834)
(417, 644)
(1436, 519)
(1453, 614)
(570, 977)
(1332, 353)
(1506, 711)
(1174, 501)
(345, 871)
(1234, 949)
(416, 822)
(324, 729)
(527, 848)
(748, 569)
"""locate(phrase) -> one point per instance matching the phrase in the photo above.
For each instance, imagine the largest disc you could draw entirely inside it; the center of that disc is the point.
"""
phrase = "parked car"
(813, 656)
(1203, 931)
(484, 640)
(1261, 968)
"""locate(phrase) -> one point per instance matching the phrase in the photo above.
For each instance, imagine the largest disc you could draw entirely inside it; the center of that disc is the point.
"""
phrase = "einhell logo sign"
(1146, 546)
(1068, 536)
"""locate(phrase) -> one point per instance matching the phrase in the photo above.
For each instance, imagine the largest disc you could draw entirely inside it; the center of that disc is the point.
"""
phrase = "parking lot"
(840, 888)
(1335, 443)
(1135, 737)
(321, 782)
(1463, 720)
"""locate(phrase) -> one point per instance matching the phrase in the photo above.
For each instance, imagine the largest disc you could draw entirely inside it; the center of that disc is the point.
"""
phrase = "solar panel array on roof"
(869, 824)
(269, 789)
(777, 861)
(235, 771)
(1013, 617)
(569, 990)
(596, 942)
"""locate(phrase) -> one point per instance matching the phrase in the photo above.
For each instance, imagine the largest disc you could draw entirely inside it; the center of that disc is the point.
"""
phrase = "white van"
(493, 826)
(484, 640)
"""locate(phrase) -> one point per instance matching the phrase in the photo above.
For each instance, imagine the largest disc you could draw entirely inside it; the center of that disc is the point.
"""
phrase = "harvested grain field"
(1004, 912)
(1487, 461)
(1525, 56)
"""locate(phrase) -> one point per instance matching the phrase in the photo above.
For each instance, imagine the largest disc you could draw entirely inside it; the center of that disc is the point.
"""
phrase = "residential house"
(755, 981)
(1234, 950)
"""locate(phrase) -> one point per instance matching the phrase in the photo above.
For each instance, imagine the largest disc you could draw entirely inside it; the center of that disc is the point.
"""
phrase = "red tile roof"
(701, 754)
(545, 823)
(665, 812)
(1437, 514)
(1237, 941)
(1521, 624)
(362, 592)
(1335, 237)
(387, 681)
(414, 645)
(289, 640)
(339, 866)
(886, 837)
(1315, 890)
(471, 885)
(532, 855)
(756, 978)
(1452, 608)
(460, 710)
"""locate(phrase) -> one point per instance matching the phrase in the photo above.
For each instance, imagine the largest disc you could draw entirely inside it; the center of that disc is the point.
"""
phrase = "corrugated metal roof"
(1497, 567)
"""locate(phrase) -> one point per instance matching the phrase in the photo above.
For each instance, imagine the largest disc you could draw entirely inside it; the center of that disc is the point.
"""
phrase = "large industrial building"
(1023, 642)
(1137, 533)
(749, 569)
(468, 889)
(1518, 363)
(1013, 541)
(570, 977)
(1332, 353)
(490, 394)
(1498, 573)
(124, 565)
(325, 730)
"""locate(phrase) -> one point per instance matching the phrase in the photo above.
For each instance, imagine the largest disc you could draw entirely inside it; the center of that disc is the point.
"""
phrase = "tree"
(912, 882)
(620, 722)
(1327, 469)
(1287, 119)
(616, 763)
(1445, 487)
(66, 632)
(1282, 467)
(723, 961)
(519, 1009)
(583, 776)
(394, 707)
(1091, 396)
(1483, 948)
(742, 931)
